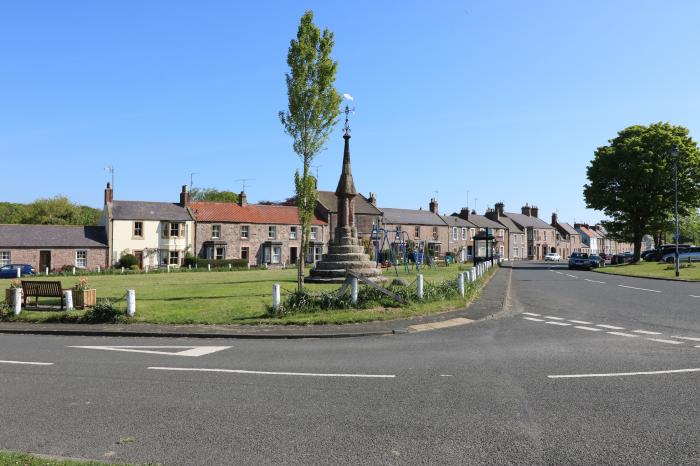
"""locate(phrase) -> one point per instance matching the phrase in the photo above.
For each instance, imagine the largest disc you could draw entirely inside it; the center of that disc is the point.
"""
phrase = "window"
(174, 257)
(500, 233)
(464, 233)
(435, 232)
(220, 253)
(455, 233)
(417, 231)
(81, 259)
(314, 232)
(292, 232)
(276, 254)
(244, 231)
(318, 252)
(472, 232)
(216, 231)
(272, 232)
(5, 258)
(244, 252)
(174, 230)
(529, 236)
(138, 229)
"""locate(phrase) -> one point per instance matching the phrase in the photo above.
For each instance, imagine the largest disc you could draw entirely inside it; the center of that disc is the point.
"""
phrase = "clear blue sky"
(506, 100)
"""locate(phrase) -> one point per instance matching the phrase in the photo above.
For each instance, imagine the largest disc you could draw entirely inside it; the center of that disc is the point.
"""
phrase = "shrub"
(223, 263)
(190, 260)
(127, 260)
(104, 311)
(134, 267)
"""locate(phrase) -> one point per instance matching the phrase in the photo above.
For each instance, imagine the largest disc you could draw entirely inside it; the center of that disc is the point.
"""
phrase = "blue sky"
(504, 100)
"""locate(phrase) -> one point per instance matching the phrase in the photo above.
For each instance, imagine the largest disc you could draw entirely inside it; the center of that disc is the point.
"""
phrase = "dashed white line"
(241, 371)
(686, 338)
(28, 363)
(533, 319)
(553, 318)
(558, 323)
(593, 281)
(583, 322)
(620, 374)
(531, 314)
(612, 327)
(640, 289)
(646, 332)
(661, 340)
(591, 329)
(560, 273)
(572, 276)
(622, 334)
(694, 296)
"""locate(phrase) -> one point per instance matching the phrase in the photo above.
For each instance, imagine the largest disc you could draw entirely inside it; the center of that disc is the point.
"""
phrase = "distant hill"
(58, 210)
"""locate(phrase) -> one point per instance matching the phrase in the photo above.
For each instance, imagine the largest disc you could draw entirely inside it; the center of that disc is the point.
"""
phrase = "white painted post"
(18, 301)
(189, 267)
(248, 265)
(209, 267)
(73, 270)
(98, 269)
(460, 284)
(419, 284)
(168, 268)
(229, 266)
(19, 272)
(47, 271)
(130, 302)
(354, 290)
(68, 298)
(275, 296)
(122, 269)
(146, 269)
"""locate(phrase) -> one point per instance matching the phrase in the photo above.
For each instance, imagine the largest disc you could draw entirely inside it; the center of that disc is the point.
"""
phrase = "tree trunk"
(300, 264)
(637, 247)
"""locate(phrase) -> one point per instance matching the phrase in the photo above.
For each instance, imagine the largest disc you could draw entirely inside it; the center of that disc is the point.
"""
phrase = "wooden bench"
(41, 289)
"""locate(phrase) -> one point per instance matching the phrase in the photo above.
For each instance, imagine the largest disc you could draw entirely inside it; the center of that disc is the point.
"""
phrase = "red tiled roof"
(250, 213)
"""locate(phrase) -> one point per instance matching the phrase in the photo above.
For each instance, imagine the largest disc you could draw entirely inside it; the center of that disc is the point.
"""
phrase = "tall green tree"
(214, 195)
(632, 180)
(57, 210)
(313, 106)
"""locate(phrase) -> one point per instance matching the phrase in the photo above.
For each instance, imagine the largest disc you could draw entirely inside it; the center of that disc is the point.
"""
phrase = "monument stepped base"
(344, 254)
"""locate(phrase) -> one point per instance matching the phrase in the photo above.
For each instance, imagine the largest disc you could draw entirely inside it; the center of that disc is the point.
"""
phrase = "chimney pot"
(109, 194)
(242, 199)
(185, 196)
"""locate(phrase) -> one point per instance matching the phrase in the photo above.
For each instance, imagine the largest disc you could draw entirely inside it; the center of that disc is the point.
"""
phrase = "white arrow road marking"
(641, 289)
(621, 374)
(192, 351)
(29, 363)
(241, 371)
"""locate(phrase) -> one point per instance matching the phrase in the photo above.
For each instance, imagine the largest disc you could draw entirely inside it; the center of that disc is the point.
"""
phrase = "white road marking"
(553, 318)
(28, 363)
(438, 325)
(580, 322)
(660, 340)
(646, 332)
(572, 276)
(592, 329)
(693, 296)
(641, 289)
(533, 319)
(241, 371)
(610, 327)
(621, 334)
(620, 374)
(593, 281)
(445, 375)
(560, 273)
(531, 314)
(686, 338)
(557, 323)
(191, 351)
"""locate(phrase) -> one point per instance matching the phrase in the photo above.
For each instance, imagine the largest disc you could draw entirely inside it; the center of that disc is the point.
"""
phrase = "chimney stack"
(434, 205)
(185, 196)
(526, 210)
(464, 213)
(534, 210)
(373, 199)
(500, 209)
(109, 194)
(242, 199)
(554, 219)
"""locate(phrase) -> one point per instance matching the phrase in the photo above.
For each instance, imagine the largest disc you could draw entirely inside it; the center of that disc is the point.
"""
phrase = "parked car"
(664, 249)
(552, 256)
(579, 260)
(10, 270)
(687, 255)
(596, 261)
(623, 258)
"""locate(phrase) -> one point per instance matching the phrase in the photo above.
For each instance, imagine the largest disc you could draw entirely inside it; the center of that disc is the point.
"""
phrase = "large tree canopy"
(58, 210)
(212, 194)
(632, 180)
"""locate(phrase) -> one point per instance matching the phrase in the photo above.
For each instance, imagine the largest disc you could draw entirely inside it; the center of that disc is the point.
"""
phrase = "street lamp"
(674, 152)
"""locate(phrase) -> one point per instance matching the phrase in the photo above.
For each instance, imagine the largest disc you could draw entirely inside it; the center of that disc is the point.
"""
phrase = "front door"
(44, 260)
(139, 258)
(293, 255)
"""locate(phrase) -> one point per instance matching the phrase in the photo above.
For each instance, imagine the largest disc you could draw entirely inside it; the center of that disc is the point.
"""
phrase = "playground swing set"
(393, 243)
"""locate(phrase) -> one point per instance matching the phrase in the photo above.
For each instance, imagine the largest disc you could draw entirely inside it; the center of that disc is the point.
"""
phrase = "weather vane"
(347, 112)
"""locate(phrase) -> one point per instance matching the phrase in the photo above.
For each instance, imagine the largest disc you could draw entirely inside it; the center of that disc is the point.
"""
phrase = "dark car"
(623, 258)
(10, 270)
(579, 260)
(596, 261)
(664, 249)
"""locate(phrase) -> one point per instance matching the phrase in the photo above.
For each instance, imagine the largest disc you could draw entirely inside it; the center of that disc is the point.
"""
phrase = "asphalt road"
(489, 392)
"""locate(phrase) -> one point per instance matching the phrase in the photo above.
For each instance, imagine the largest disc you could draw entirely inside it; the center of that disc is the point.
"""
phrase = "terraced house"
(424, 227)
(540, 236)
(516, 244)
(483, 223)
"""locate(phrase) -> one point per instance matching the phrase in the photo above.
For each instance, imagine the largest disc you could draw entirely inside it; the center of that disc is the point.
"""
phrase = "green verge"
(237, 297)
(8, 458)
(653, 270)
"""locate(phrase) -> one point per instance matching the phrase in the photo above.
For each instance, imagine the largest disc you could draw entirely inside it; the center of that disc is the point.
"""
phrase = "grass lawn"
(653, 269)
(237, 297)
(8, 458)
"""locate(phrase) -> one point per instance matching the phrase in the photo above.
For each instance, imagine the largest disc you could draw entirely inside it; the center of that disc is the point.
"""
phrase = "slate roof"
(510, 224)
(455, 221)
(141, 210)
(568, 228)
(411, 217)
(52, 236)
(526, 221)
(362, 206)
(249, 213)
(483, 222)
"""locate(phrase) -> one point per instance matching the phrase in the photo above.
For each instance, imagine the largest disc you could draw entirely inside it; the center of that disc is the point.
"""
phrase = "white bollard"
(275, 296)
(248, 265)
(73, 270)
(122, 269)
(460, 284)
(419, 284)
(98, 269)
(130, 302)
(168, 268)
(18, 301)
(68, 298)
(209, 267)
(229, 266)
(19, 272)
(47, 271)
(354, 290)
(189, 267)
(146, 269)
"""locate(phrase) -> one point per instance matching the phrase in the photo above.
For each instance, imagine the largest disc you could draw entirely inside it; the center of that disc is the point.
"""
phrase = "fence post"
(122, 269)
(73, 270)
(146, 269)
(98, 269)
(189, 267)
(229, 266)
(168, 268)
(47, 271)
(209, 267)
(130, 302)
(354, 290)
(68, 298)
(18, 301)
(275, 296)
(460, 284)
(19, 272)
(419, 284)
